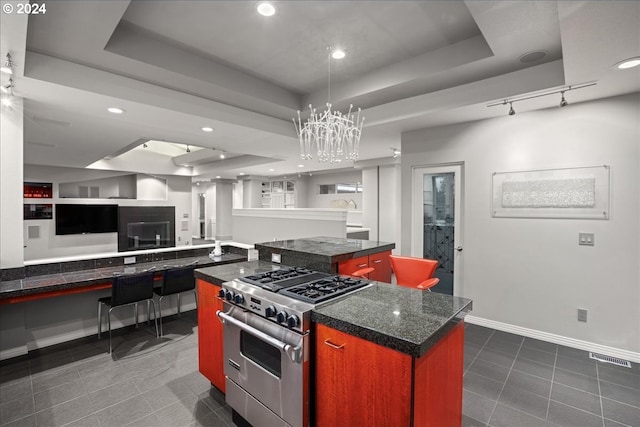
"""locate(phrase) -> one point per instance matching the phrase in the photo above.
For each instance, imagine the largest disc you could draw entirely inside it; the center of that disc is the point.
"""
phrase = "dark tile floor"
(509, 381)
(513, 381)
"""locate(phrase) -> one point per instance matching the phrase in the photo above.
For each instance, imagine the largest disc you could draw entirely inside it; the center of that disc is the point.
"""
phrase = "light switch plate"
(276, 258)
(586, 239)
(582, 315)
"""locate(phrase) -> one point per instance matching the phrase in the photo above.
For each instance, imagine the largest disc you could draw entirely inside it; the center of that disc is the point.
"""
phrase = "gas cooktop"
(324, 289)
(276, 280)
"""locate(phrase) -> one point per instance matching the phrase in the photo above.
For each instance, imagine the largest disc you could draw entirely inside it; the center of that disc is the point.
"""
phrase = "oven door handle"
(291, 351)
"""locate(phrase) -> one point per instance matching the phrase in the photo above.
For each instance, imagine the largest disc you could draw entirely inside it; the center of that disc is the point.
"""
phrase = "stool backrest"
(130, 288)
(178, 279)
(411, 271)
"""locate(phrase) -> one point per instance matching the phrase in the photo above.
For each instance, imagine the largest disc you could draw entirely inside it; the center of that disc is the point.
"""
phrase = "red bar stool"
(414, 272)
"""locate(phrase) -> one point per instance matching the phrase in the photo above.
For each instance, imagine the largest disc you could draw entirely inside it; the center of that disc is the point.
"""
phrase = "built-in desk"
(57, 306)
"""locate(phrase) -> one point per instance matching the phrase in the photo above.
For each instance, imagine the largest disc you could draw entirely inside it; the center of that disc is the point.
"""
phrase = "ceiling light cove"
(115, 110)
(628, 63)
(266, 8)
(207, 129)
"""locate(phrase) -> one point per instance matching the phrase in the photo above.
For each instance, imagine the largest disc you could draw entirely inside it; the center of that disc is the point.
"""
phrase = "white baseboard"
(556, 339)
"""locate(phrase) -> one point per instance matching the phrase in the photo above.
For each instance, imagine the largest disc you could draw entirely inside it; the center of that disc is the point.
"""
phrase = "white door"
(436, 218)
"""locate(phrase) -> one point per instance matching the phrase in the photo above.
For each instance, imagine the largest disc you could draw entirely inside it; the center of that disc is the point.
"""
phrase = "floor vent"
(609, 359)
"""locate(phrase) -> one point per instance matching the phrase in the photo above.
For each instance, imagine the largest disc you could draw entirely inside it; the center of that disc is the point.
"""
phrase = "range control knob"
(239, 299)
(229, 295)
(293, 321)
(282, 316)
(221, 293)
(270, 311)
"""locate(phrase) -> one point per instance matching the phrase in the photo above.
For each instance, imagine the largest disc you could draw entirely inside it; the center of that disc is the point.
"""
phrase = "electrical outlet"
(582, 315)
(586, 239)
(276, 258)
(130, 260)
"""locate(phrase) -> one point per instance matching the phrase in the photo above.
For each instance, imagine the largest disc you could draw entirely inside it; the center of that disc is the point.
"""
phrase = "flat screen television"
(83, 219)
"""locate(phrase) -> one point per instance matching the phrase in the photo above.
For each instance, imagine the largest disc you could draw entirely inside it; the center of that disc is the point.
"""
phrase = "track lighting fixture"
(396, 152)
(188, 149)
(8, 88)
(144, 145)
(7, 67)
(222, 155)
(563, 101)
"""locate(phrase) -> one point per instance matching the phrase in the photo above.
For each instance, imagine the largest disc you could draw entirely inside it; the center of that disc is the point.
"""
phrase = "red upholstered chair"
(414, 272)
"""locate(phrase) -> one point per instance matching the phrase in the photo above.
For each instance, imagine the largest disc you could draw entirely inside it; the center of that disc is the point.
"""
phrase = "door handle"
(458, 248)
(291, 351)
(332, 345)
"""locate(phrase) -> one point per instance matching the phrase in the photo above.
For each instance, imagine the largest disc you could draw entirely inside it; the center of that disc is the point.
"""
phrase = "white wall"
(531, 273)
(11, 211)
(49, 245)
(322, 201)
(263, 225)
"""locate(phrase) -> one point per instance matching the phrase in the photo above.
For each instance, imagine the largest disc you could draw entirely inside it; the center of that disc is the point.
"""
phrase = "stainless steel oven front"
(266, 369)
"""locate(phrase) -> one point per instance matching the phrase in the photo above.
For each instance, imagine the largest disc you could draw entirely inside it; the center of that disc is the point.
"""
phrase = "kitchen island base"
(360, 383)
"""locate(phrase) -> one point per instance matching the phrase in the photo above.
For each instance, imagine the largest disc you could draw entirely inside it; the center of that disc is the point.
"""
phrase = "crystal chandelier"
(333, 136)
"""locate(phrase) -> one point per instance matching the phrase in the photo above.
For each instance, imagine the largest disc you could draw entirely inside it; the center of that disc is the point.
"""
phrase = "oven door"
(268, 362)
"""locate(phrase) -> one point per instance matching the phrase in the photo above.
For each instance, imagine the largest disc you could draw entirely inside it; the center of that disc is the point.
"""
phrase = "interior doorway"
(201, 216)
(436, 231)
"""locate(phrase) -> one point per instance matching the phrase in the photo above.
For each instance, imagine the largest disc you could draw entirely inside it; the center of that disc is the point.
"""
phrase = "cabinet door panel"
(380, 262)
(210, 338)
(359, 383)
(349, 266)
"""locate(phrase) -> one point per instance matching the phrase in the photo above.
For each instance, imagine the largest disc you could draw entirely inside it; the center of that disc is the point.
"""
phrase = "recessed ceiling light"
(222, 155)
(7, 102)
(271, 170)
(338, 54)
(300, 166)
(207, 129)
(266, 8)
(628, 63)
(217, 176)
(115, 110)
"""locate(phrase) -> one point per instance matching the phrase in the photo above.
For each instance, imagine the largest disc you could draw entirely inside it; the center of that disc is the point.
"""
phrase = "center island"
(383, 355)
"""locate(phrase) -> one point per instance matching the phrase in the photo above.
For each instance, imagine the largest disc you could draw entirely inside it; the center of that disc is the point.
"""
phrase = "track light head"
(511, 110)
(7, 67)
(188, 149)
(222, 155)
(144, 145)
(563, 102)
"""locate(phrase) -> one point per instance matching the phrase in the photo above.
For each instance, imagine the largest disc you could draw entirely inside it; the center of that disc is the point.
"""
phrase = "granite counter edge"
(412, 349)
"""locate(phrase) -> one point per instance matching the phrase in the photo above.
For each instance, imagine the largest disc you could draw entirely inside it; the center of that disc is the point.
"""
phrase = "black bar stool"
(128, 289)
(177, 280)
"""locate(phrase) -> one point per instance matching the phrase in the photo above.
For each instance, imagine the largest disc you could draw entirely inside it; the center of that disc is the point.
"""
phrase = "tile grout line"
(481, 348)
(505, 380)
(553, 375)
(600, 394)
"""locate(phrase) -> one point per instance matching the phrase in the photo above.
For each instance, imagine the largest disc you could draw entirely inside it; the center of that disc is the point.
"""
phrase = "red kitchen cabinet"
(210, 338)
(382, 267)
(359, 383)
(379, 261)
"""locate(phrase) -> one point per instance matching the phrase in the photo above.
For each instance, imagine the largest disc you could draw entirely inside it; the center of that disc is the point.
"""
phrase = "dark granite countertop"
(68, 281)
(328, 249)
(404, 319)
(219, 274)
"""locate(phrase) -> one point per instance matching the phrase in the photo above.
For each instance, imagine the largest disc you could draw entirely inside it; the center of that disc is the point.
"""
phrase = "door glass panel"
(438, 226)
(263, 354)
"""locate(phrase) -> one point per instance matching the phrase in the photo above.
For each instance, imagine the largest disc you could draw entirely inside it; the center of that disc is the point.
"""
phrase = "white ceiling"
(176, 66)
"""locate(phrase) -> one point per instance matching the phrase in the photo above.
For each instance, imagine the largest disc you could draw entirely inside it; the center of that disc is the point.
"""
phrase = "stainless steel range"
(267, 323)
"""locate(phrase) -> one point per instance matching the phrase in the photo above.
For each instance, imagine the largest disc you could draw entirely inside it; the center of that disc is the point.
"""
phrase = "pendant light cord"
(329, 75)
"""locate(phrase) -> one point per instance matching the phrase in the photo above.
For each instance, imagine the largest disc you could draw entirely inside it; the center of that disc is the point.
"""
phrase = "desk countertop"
(77, 279)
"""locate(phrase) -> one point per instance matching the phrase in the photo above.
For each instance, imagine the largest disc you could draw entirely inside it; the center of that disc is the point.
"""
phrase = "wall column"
(11, 185)
(224, 207)
(252, 191)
